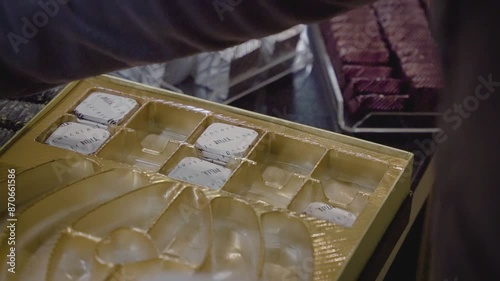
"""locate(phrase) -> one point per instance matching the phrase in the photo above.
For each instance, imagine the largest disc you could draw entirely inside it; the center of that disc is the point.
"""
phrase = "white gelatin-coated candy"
(78, 137)
(105, 108)
(200, 172)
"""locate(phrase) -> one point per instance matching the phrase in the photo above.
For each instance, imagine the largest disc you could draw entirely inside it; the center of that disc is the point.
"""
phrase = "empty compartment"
(63, 207)
(167, 121)
(288, 154)
(126, 245)
(238, 247)
(344, 176)
(312, 191)
(139, 150)
(265, 183)
(184, 231)
(36, 263)
(288, 248)
(141, 208)
(105, 108)
(73, 258)
(187, 166)
(47, 177)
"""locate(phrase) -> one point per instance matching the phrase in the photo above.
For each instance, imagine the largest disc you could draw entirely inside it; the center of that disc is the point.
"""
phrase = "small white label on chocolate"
(334, 215)
(200, 172)
(78, 137)
(105, 108)
(222, 141)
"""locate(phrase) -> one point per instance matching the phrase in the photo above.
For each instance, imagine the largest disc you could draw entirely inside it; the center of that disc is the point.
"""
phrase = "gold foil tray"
(291, 202)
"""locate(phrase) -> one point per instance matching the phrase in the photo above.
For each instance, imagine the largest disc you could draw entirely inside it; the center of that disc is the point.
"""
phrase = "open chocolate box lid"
(290, 202)
(381, 68)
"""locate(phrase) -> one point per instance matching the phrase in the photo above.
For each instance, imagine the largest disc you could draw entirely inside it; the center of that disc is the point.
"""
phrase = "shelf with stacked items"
(230, 74)
(381, 67)
(227, 75)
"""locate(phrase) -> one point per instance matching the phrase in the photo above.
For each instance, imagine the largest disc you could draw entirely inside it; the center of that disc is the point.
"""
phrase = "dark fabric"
(50, 42)
(467, 195)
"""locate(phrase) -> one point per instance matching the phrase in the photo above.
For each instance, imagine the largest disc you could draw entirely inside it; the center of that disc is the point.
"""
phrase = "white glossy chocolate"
(223, 141)
(105, 108)
(77, 137)
(199, 172)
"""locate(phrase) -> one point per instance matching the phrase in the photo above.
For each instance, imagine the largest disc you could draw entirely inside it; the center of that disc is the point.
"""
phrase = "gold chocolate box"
(249, 196)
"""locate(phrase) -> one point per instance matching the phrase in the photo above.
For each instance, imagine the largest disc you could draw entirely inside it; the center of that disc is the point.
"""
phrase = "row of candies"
(217, 145)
